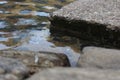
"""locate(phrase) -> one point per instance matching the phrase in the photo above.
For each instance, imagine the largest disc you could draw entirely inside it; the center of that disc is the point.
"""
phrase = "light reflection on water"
(3, 24)
(2, 46)
(38, 42)
(42, 14)
(3, 2)
(23, 21)
(16, 30)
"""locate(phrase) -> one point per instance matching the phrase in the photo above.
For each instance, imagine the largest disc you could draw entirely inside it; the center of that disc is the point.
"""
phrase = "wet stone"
(66, 45)
(101, 58)
(2, 71)
(36, 59)
(75, 74)
(11, 77)
(9, 65)
(2, 77)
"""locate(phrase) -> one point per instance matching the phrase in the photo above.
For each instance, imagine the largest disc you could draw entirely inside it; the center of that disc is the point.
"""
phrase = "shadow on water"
(24, 25)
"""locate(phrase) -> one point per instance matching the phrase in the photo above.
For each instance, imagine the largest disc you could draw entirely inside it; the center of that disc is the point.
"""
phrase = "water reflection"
(37, 41)
(3, 46)
(23, 21)
(3, 2)
(3, 24)
(45, 14)
(48, 7)
(3, 33)
(24, 26)
(25, 12)
(3, 39)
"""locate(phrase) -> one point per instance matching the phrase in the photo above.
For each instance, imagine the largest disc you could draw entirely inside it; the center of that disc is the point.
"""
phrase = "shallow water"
(24, 25)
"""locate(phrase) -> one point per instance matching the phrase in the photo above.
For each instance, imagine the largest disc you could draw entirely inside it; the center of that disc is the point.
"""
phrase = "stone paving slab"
(96, 21)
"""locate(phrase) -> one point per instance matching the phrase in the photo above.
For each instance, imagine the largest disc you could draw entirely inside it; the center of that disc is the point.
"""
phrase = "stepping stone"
(94, 21)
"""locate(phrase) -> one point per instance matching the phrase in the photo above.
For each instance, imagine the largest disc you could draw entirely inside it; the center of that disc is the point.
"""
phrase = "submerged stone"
(94, 21)
(37, 59)
(38, 40)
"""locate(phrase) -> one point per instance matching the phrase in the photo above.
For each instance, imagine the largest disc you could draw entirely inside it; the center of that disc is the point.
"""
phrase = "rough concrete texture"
(94, 11)
(95, 21)
(102, 58)
(76, 74)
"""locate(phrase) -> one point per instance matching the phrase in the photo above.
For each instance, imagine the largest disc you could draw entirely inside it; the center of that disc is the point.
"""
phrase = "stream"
(24, 25)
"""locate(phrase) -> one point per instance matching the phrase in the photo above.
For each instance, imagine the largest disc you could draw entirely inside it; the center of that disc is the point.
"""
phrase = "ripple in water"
(2, 46)
(25, 14)
(3, 2)
(23, 21)
(3, 24)
(44, 14)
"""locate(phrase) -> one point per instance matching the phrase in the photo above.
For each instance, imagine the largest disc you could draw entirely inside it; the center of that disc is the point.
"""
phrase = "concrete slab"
(95, 21)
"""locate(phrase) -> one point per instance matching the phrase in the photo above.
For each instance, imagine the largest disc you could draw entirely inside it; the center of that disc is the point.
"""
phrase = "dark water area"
(24, 25)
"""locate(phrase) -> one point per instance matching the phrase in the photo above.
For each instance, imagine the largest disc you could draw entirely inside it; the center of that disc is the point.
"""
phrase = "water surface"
(24, 25)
